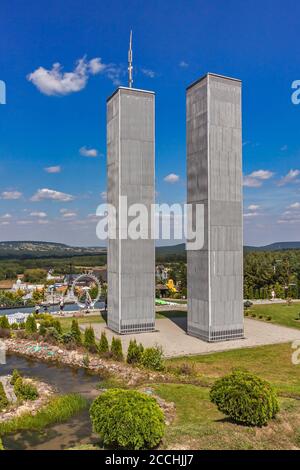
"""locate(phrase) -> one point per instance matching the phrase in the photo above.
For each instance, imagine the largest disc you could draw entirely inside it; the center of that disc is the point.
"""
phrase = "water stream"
(65, 380)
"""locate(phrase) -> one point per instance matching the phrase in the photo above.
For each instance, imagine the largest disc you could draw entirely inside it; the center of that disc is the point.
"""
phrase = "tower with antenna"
(130, 173)
(130, 67)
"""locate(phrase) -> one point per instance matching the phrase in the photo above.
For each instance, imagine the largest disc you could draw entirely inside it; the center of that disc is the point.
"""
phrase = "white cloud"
(6, 216)
(38, 214)
(51, 194)
(149, 73)
(256, 178)
(104, 195)
(295, 205)
(251, 182)
(290, 177)
(11, 195)
(96, 66)
(253, 207)
(183, 64)
(5, 222)
(86, 152)
(53, 169)
(261, 174)
(70, 214)
(171, 178)
(55, 82)
(284, 148)
(251, 214)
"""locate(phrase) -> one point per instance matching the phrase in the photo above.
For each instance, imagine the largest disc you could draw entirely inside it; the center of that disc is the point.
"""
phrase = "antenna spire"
(130, 68)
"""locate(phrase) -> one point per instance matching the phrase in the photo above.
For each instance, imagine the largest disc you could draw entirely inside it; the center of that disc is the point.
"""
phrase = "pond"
(60, 436)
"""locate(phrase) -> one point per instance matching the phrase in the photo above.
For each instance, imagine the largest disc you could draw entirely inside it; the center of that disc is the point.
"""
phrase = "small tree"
(4, 323)
(134, 352)
(89, 339)
(30, 325)
(15, 375)
(103, 347)
(116, 349)
(3, 398)
(75, 331)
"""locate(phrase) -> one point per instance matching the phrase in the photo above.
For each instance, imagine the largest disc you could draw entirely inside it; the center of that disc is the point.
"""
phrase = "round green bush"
(245, 398)
(127, 419)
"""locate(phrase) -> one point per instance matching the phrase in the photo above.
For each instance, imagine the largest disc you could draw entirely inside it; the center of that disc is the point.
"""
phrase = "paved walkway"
(171, 335)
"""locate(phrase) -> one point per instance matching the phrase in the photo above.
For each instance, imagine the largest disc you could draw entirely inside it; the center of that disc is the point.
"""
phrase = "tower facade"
(214, 179)
(130, 168)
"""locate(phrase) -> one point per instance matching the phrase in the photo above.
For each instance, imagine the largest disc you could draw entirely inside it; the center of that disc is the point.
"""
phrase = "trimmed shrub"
(30, 325)
(248, 304)
(3, 398)
(89, 339)
(245, 398)
(152, 358)
(135, 352)
(116, 349)
(15, 375)
(75, 331)
(127, 419)
(25, 390)
(269, 318)
(14, 326)
(103, 347)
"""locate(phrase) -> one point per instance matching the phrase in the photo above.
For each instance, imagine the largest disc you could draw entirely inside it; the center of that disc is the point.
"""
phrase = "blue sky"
(52, 129)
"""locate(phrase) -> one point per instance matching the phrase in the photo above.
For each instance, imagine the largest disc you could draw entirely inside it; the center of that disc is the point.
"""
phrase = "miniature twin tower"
(214, 179)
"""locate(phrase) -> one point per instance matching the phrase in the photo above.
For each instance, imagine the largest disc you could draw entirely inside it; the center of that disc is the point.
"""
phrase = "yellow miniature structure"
(170, 285)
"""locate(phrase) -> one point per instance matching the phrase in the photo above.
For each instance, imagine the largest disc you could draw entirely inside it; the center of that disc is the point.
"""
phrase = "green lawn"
(199, 425)
(281, 314)
(271, 362)
(67, 321)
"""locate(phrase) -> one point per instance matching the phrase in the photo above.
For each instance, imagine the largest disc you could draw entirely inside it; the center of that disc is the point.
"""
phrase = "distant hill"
(278, 246)
(35, 249)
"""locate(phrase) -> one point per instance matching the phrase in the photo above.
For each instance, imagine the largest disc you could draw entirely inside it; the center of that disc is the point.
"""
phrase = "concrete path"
(171, 335)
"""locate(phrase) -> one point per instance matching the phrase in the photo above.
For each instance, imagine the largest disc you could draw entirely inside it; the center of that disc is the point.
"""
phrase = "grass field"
(282, 314)
(198, 423)
(272, 362)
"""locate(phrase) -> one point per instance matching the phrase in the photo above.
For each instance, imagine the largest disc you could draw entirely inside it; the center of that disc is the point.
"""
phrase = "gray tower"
(214, 178)
(130, 167)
